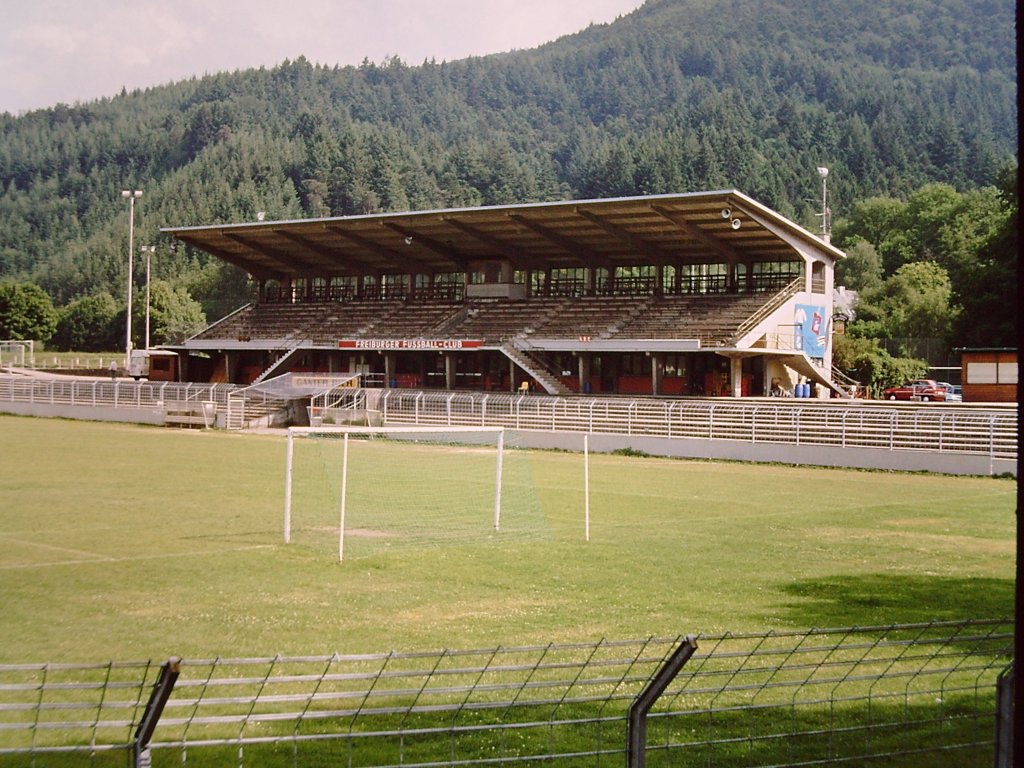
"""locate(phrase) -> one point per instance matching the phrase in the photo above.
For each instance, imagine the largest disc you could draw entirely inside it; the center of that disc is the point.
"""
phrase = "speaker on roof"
(736, 223)
(726, 213)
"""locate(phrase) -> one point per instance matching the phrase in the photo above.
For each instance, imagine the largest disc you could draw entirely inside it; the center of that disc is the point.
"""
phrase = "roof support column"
(449, 370)
(389, 370)
(585, 366)
(421, 381)
(736, 376)
(657, 371)
(230, 366)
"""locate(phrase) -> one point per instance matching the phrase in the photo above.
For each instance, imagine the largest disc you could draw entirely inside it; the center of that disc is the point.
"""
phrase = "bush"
(90, 324)
(26, 312)
(865, 361)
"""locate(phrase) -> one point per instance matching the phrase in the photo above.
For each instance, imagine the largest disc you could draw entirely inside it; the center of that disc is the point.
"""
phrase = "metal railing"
(943, 428)
(238, 406)
(776, 301)
(758, 699)
(98, 393)
(988, 431)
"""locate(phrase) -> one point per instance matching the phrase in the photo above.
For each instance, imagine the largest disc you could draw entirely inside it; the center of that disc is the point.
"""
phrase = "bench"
(189, 413)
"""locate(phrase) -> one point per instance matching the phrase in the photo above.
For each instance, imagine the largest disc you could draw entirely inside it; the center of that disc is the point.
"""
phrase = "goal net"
(363, 490)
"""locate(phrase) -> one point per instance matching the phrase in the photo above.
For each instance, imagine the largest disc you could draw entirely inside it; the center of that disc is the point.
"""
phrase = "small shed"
(989, 374)
(153, 364)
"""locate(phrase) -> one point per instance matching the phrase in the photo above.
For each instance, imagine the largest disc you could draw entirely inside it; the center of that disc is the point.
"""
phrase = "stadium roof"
(656, 229)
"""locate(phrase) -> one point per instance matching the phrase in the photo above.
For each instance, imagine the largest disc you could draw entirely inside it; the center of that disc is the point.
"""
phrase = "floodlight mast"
(823, 173)
(131, 197)
(149, 250)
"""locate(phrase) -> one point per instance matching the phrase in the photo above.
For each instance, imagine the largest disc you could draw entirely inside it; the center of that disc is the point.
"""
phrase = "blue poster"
(811, 330)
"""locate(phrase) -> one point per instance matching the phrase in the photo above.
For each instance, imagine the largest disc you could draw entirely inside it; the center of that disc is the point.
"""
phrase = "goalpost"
(484, 449)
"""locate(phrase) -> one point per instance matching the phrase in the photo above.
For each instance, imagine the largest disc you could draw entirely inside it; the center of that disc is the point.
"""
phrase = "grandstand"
(707, 293)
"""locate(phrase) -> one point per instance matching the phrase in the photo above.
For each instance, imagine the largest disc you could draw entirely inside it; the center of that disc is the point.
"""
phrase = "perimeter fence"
(122, 395)
(96, 393)
(884, 695)
(984, 430)
(989, 430)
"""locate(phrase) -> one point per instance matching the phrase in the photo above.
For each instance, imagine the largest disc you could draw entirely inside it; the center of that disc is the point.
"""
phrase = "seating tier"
(710, 318)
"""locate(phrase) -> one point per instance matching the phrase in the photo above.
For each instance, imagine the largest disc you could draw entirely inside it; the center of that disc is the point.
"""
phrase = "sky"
(70, 51)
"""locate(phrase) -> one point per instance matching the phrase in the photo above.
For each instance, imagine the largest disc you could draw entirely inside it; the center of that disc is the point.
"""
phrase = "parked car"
(917, 389)
(954, 392)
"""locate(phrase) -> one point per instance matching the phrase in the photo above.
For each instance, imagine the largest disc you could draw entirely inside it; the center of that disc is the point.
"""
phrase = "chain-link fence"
(877, 694)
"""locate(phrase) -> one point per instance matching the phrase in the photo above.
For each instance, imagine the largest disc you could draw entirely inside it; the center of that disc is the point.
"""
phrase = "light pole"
(149, 250)
(823, 172)
(131, 197)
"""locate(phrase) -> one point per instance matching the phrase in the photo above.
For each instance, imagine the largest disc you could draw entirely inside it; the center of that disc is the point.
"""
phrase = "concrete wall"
(810, 455)
(690, 448)
(85, 412)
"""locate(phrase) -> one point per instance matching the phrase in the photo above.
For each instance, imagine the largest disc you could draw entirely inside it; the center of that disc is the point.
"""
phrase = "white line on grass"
(93, 556)
(107, 559)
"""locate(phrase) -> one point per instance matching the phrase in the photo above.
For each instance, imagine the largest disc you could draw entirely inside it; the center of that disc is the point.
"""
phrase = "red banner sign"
(410, 344)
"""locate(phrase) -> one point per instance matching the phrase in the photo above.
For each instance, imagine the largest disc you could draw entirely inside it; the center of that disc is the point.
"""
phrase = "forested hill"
(680, 95)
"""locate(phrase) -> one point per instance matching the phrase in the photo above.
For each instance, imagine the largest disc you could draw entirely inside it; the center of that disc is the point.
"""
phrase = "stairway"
(278, 365)
(536, 369)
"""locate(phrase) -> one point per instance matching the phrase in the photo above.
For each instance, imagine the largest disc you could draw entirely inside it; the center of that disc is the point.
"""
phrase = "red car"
(917, 389)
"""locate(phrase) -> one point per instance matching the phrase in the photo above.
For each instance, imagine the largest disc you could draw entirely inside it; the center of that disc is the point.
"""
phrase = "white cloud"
(67, 51)
(51, 38)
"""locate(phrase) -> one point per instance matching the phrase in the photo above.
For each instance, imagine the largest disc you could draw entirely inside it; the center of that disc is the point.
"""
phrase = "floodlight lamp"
(408, 240)
(823, 172)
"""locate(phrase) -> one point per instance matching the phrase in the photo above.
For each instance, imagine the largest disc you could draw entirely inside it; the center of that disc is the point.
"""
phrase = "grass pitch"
(127, 542)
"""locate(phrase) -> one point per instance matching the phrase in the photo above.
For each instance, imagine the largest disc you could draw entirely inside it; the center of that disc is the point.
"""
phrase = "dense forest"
(894, 96)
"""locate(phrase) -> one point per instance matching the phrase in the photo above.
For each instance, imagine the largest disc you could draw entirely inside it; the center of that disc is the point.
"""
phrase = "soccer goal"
(390, 486)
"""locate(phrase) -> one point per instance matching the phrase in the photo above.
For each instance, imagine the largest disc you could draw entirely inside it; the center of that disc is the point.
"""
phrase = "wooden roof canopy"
(655, 229)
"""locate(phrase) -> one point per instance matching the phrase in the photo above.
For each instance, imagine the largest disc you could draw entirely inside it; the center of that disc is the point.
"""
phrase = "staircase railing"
(767, 309)
(534, 367)
(281, 360)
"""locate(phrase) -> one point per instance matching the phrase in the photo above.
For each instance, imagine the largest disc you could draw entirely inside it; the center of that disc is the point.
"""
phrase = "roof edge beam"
(802, 248)
(517, 256)
(235, 260)
(327, 253)
(586, 256)
(699, 234)
(397, 261)
(652, 252)
(309, 268)
(442, 250)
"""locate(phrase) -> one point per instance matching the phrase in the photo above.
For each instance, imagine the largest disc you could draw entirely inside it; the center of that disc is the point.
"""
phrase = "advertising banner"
(811, 330)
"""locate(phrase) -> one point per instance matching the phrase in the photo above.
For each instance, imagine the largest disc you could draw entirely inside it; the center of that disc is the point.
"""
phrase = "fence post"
(636, 729)
(161, 692)
(1004, 718)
